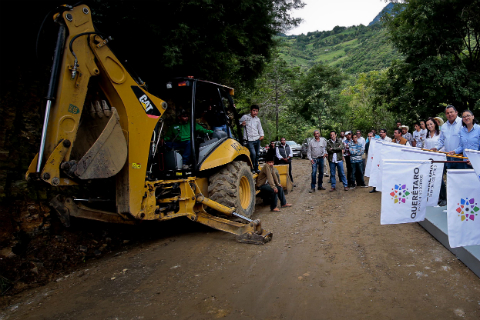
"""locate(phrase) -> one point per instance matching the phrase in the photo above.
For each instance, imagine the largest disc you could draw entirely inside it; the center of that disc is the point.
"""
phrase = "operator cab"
(212, 118)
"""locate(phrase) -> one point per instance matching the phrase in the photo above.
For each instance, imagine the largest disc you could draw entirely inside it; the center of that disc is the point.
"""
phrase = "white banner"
(474, 157)
(435, 174)
(463, 208)
(371, 152)
(374, 166)
(407, 182)
(388, 151)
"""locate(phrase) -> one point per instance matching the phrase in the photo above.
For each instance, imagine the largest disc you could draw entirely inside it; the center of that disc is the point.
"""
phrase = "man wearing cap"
(407, 135)
(269, 184)
(316, 153)
(253, 134)
(178, 137)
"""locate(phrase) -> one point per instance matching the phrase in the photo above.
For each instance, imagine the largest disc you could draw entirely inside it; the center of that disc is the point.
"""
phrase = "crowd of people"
(450, 137)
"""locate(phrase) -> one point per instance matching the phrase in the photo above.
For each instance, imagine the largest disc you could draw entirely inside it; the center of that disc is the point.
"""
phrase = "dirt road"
(329, 259)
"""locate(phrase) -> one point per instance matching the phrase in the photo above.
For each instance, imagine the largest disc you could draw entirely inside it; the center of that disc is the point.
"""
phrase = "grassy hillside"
(354, 49)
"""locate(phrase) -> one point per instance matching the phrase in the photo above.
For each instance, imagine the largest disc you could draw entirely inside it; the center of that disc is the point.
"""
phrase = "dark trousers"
(254, 148)
(272, 197)
(317, 166)
(357, 172)
(289, 162)
(184, 147)
(350, 179)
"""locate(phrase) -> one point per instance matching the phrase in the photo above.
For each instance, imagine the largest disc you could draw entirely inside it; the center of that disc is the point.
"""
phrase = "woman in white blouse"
(432, 135)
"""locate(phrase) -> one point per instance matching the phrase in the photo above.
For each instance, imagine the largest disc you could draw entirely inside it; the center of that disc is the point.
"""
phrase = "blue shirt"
(376, 137)
(356, 152)
(450, 135)
(469, 140)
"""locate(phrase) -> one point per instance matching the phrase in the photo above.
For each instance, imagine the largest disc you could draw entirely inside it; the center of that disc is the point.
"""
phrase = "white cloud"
(323, 15)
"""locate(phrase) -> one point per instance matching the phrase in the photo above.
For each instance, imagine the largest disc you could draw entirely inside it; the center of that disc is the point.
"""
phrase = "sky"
(324, 15)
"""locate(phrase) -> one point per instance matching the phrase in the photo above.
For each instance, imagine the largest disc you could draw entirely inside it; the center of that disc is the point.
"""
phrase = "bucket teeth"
(253, 238)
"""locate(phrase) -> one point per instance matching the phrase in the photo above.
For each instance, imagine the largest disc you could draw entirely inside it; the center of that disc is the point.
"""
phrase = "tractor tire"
(233, 186)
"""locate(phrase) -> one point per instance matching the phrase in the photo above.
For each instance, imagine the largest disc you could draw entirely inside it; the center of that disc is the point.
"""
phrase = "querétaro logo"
(400, 193)
(467, 209)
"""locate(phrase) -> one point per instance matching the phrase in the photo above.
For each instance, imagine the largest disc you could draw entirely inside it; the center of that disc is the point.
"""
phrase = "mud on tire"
(233, 186)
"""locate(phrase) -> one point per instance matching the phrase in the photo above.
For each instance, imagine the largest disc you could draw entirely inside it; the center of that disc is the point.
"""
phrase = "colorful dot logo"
(467, 209)
(400, 193)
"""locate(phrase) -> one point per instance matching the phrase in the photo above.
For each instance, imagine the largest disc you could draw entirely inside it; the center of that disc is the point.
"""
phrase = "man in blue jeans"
(253, 134)
(316, 153)
(335, 149)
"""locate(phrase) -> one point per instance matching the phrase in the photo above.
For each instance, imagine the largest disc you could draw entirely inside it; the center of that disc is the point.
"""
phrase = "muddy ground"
(329, 259)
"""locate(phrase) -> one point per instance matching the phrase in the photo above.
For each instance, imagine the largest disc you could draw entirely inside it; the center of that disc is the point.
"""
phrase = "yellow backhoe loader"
(103, 132)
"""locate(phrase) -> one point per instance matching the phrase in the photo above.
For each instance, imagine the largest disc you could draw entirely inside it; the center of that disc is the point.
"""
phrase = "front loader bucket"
(254, 238)
(107, 156)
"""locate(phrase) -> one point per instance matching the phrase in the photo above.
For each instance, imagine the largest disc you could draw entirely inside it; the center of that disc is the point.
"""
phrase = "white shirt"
(431, 142)
(361, 141)
(450, 135)
(277, 151)
(417, 135)
(253, 129)
(387, 139)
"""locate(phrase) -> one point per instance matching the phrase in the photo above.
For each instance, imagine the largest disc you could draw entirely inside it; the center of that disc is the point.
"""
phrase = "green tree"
(440, 40)
(317, 91)
(224, 41)
(367, 107)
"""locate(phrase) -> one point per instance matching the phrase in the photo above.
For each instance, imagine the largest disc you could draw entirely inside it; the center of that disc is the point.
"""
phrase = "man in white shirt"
(419, 136)
(360, 139)
(449, 139)
(253, 134)
(316, 153)
(450, 135)
(383, 135)
(284, 154)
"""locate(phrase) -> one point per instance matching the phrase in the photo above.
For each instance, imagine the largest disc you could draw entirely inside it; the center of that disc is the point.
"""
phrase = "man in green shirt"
(178, 136)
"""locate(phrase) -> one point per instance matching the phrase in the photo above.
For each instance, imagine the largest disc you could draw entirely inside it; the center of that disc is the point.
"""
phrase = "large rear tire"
(233, 186)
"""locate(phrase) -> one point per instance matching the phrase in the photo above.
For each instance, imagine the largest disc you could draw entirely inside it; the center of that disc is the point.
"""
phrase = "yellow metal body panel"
(285, 181)
(225, 153)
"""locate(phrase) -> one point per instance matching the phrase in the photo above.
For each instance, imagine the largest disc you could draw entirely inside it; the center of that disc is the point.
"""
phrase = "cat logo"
(147, 104)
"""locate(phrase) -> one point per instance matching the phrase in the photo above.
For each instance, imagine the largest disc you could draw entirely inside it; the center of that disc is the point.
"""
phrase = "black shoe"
(311, 190)
(373, 190)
